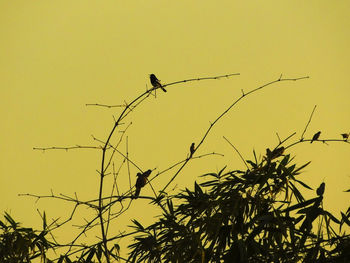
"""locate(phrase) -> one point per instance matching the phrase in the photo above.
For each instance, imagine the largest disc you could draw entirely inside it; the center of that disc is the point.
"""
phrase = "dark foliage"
(20, 244)
(257, 215)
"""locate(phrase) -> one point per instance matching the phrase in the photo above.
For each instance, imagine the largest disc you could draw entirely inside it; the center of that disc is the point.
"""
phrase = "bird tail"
(137, 193)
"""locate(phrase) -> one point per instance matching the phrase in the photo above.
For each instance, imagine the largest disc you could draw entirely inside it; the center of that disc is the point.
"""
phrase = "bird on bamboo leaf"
(141, 182)
(156, 82)
(316, 136)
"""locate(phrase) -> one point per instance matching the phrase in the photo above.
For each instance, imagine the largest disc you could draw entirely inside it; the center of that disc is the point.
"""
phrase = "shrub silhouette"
(256, 215)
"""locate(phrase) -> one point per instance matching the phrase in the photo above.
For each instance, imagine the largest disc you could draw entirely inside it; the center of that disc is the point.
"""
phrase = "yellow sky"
(56, 56)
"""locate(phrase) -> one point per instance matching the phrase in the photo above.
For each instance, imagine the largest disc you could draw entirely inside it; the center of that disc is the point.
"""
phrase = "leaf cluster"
(21, 244)
(256, 215)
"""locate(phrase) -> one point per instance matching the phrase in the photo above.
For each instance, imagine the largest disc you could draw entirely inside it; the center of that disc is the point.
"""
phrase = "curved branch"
(223, 114)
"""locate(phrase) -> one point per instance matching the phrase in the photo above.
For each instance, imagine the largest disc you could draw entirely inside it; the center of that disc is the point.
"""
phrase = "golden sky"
(56, 56)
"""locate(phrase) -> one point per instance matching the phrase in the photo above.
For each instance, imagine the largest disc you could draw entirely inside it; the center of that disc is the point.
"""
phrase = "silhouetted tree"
(256, 215)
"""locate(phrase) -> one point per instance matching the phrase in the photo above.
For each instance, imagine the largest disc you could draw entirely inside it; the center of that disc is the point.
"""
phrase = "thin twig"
(127, 159)
(223, 114)
(122, 154)
(240, 155)
(67, 148)
(307, 124)
(116, 146)
(320, 141)
(288, 137)
(205, 78)
(104, 105)
(154, 192)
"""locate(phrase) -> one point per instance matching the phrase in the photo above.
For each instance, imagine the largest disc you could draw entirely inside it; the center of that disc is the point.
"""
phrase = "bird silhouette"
(345, 136)
(316, 136)
(192, 149)
(141, 182)
(156, 82)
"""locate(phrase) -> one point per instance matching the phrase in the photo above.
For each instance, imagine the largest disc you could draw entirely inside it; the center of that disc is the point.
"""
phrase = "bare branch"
(240, 155)
(224, 113)
(307, 124)
(288, 137)
(104, 105)
(67, 148)
(205, 78)
(322, 141)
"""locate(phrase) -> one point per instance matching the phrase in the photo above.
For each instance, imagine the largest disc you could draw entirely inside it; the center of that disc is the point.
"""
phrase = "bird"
(320, 190)
(156, 82)
(192, 149)
(141, 182)
(345, 136)
(316, 136)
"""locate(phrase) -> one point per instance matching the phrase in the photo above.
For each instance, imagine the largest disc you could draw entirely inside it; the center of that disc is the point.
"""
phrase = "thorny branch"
(128, 108)
(280, 79)
(196, 79)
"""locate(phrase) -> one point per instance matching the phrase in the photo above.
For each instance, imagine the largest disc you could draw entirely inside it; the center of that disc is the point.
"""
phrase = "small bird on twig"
(345, 136)
(141, 182)
(316, 136)
(156, 82)
(192, 149)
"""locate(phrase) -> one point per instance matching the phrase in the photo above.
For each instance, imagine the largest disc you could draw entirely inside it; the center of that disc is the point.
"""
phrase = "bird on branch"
(316, 136)
(141, 182)
(156, 82)
(345, 136)
(192, 149)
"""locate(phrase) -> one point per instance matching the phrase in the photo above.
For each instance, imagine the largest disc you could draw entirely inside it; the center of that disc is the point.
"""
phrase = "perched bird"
(141, 182)
(316, 136)
(192, 149)
(345, 136)
(320, 190)
(156, 82)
